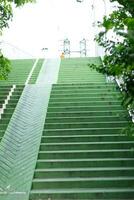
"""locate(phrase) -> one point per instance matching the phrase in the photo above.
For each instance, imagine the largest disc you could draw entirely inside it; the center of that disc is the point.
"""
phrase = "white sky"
(47, 22)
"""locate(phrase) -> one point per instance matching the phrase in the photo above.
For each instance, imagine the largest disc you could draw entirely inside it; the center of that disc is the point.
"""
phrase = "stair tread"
(85, 106)
(84, 169)
(104, 128)
(79, 143)
(83, 190)
(86, 151)
(83, 136)
(88, 122)
(100, 111)
(83, 179)
(85, 160)
(83, 117)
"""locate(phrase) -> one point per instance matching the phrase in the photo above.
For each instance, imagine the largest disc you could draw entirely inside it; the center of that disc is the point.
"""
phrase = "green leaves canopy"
(127, 4)
(5, 67)
(6, 10)
(119, 48)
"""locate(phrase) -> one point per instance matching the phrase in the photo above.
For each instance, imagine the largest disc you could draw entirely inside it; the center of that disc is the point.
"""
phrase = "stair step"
(9, 110)
(6, 115)
(86, 162)
(84, 90)
(84, 172)
(83, 86)
(85, 119)
(4, 120)
(119, 112)
(2, 126)
(11, 105)
(106, 94)
(85, 99)
(81, 80)
(68, 154)
(86, 145)
(86, 125)
(124, 193)
(78, 131)
(92, 182)
(85, 108)
(90, 103)
(86, 138)
(2, 133)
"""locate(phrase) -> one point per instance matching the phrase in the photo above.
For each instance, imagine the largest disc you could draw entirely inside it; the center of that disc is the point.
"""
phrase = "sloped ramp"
(19, 147)
(49, 72)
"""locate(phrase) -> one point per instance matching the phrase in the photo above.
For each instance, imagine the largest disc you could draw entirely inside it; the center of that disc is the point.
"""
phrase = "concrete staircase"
(10, 107)
(4, 91)
(83, 154)
(19, 72)
(36, 72)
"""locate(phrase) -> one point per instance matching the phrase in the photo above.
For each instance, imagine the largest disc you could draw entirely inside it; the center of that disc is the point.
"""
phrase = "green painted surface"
(36, 72)
(19, 72)
(6, 116)
(79, 152)
(83, 154)
(19, 147)
(4, 91)
(49, 72)
(76, 70)
(20, 144)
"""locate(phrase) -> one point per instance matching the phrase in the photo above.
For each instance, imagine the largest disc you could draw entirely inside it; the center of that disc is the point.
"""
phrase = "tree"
(127, 4)
(119, 50)
(6, 14)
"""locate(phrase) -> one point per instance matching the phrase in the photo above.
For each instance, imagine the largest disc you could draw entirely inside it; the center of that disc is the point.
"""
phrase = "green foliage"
(129, 130)
(127, 4)
(21, 2)
(6, 10)
(119, 48)
(6, 15)
(5, 67)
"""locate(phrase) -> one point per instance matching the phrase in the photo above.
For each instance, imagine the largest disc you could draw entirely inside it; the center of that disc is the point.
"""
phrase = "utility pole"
(94, 20)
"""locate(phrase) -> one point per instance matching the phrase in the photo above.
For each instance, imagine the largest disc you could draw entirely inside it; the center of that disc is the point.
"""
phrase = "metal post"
(66, 47)
(83, 48)
(44, 50)
(94, 20)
